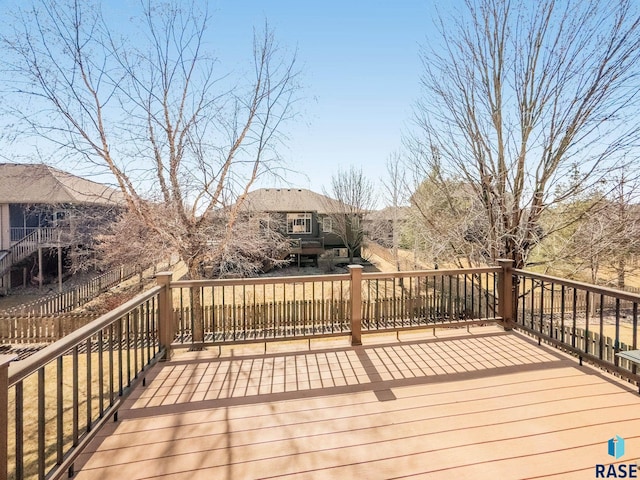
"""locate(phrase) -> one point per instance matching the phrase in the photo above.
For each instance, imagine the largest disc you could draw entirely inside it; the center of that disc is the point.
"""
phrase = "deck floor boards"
(479, 404)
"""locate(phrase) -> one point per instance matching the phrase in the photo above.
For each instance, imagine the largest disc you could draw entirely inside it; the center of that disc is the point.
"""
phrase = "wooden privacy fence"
(78, 296)
(40, 329)
(588, 341)
(315, 317)
(265, 320)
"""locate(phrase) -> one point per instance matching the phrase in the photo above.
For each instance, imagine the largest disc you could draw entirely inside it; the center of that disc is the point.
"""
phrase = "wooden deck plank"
(481, 405)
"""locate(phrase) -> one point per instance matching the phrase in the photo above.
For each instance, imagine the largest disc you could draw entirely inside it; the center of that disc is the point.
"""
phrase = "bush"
(326, 261)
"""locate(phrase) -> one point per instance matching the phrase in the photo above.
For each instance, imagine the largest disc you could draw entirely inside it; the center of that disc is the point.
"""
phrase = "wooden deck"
(479, 404)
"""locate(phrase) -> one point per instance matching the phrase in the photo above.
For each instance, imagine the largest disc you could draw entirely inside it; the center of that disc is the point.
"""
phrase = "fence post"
(4, 413)
(165, 313)
(356, 304)
(505, 293)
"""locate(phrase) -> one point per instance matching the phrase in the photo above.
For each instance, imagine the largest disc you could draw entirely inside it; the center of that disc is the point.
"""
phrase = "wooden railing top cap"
(6, 359)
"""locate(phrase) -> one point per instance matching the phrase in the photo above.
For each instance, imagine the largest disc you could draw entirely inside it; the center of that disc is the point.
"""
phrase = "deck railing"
(592, 322)
(18, 233)
(401, 300)
(258, 309)
(29, 244)
(240, 310)
(52, 403)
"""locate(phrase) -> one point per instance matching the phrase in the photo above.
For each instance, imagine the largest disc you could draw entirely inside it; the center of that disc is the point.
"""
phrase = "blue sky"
(360, 71)
(360, 68)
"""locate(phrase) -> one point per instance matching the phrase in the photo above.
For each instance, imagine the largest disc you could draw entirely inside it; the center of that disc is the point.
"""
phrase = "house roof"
(386, 214)
(39, 183)
(288, 200)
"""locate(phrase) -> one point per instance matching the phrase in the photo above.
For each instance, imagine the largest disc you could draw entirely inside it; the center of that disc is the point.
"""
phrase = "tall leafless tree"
(355, 197)
(580, 247)
(606, 240)
(624, 228)
(395, 187)
(183, 138)
(515, 94)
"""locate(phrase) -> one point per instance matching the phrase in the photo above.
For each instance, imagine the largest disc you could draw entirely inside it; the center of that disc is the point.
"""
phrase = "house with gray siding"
(304, 216)
(44, 209)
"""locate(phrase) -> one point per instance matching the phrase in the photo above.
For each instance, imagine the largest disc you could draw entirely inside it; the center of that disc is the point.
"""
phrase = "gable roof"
(42, 184)
(288, 200)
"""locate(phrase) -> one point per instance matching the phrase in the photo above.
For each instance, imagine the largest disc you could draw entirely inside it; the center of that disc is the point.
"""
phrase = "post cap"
(6, 359)
(505, 262)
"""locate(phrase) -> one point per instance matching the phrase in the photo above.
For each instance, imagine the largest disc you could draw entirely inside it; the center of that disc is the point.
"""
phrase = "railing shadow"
(229, 381)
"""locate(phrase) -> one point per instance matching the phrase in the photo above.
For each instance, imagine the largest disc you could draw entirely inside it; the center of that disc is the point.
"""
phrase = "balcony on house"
(307, 246)
(478, 373)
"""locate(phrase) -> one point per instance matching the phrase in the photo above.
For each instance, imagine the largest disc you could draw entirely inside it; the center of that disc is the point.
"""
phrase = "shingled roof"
(42, 184)
(288, 200)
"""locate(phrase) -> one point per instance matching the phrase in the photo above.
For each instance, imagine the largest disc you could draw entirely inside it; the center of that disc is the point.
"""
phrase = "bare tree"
(445, 218)
(395, 188)
(355, 197)
(579, 247)
(603, 239)
(183, 139)
(519, 92)
(624, 229)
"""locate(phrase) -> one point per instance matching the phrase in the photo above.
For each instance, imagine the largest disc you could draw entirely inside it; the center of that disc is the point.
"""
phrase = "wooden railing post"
(505, 293)
(4, 413)
(356, 304)
(165, 313)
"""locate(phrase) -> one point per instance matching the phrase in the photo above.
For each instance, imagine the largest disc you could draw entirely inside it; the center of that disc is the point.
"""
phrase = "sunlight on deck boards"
(485, 404)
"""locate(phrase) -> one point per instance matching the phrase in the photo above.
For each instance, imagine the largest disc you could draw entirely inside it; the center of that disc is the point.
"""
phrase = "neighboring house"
(45, 208)
(379, 225)
(304, 216)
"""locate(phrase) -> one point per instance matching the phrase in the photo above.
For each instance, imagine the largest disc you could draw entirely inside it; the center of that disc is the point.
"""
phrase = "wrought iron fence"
(79, 295)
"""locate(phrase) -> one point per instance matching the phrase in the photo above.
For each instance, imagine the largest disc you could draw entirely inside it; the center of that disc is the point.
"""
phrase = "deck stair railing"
(28, 245)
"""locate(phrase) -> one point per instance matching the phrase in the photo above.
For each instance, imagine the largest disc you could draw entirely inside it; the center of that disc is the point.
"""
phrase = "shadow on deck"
(478, 404)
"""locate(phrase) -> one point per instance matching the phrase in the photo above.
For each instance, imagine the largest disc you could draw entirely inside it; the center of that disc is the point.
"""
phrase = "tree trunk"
(197, 314)
(621, 272)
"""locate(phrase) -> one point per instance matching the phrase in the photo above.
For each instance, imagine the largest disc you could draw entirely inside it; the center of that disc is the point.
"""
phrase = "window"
(299, 222)
(327, 225)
